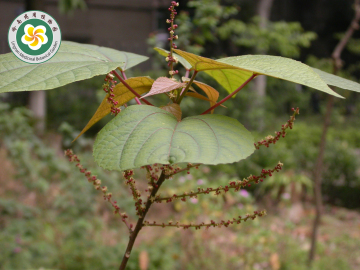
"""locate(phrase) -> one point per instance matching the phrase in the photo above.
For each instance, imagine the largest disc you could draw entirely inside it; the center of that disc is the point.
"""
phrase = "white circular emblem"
(34, 37)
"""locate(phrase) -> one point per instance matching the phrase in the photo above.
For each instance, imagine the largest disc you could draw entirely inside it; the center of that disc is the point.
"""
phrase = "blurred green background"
(52, 218)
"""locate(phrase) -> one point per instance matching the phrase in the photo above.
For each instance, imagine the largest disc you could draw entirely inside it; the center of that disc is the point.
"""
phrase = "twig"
(337, 63)
(189, 166)
(140, 222)
(208, 225)
(236, 185)
(97, 182)
(229, 96)
(270, 139)
(354, 25)
(125, 78)
(184, 91)
(130, 88)
(128, 175)
(187, 73)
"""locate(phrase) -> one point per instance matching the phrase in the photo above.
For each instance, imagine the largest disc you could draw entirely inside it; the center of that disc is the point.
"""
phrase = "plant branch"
(189, 166)
(184, 91)
(186, 76)
(125, 78)
(354, 25)
(187, 73)
(140, 221)
(337, 64)
(270, 139)
(229, 96)
(170, 58)
(128, 175)
(130, 88)
(236, 185)
(207, 225)
(97, 182)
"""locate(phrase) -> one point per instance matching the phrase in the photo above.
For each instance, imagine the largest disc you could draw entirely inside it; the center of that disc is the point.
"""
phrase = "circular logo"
(34, 37)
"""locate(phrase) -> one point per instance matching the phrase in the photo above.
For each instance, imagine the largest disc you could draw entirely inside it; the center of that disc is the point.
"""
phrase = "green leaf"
(230, 79)
(182, 60)
(282, 68)
(127, 59)
(143, 135)
(337, 81)
(227, 76)
(123, 95)
(73, 62)
(200, 63)
(240, 68)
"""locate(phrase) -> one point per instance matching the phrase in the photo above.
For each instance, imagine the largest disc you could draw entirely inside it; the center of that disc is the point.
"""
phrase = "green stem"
(229, 96)
(186, 88)
(179, 93)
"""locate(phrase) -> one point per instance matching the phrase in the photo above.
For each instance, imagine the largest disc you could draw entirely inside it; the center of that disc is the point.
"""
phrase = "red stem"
(125, 78)
(137, 101)
(130, 88)
(128, 225)
(140, 222)
(187, 73)
(123, 74)
(229, 96)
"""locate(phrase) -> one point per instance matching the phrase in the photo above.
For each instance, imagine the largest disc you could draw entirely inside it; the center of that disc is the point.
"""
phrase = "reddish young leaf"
(163, 85)
(174, 109)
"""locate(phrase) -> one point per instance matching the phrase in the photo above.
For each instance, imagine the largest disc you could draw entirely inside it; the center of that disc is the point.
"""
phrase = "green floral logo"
(34, 37)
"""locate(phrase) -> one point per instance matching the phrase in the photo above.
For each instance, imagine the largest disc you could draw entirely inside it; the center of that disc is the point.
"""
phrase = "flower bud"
(97, 182)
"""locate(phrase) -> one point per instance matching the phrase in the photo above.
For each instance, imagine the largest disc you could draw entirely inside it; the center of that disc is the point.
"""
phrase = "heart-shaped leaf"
(122, 95)
(73, 62)
(242, 67)
(143, 135)
(163, 85)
